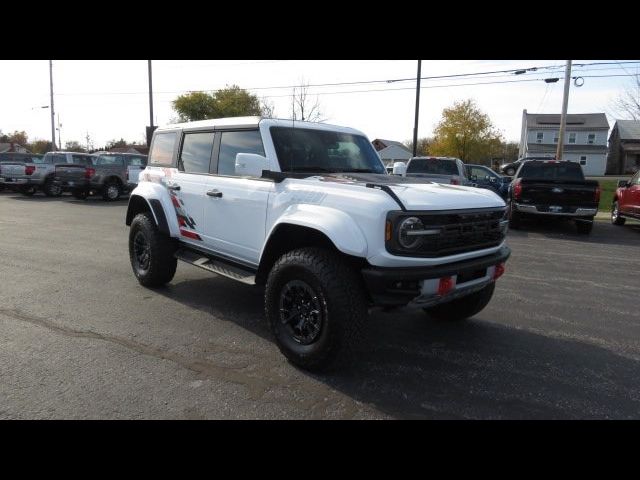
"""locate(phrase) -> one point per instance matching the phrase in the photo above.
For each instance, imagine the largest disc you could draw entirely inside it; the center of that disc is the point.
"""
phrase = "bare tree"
(627, 104)
(303, 107)
(268, 108)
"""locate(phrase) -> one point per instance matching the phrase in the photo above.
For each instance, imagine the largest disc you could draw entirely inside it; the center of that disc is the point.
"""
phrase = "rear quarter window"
(162, 149)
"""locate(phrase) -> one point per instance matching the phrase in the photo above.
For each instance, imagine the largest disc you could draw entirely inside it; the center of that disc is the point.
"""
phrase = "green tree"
(467, 133)
(74, 146)
(15, 137)
(116, 143)
(424, 145)
(40, 146)
(232, 101)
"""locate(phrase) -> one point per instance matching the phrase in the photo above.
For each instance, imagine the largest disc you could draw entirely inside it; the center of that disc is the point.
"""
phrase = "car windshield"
(312, 150)
(434, 166)
(552, 171)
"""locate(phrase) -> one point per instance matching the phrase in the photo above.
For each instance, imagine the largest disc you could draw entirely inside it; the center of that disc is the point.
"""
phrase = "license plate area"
(470, 275)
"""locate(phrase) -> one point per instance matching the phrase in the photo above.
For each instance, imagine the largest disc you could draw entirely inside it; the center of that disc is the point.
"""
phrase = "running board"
(215, 265)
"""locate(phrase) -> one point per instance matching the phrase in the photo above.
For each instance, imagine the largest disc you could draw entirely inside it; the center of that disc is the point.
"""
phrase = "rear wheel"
(50, 189)
(151, 252)
(464, 307)
(111, 191)
(616, 219)
(510, 172)
(315, 304)
(584, 227)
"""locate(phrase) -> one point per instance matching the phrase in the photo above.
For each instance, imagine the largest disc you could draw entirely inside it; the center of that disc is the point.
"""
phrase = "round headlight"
(405, 237)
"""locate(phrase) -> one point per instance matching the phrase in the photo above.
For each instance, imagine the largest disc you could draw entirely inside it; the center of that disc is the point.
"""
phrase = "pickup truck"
(308, 211)
(110, 174)
(439, 170)
(12, 158)
(626, 200)
(29, 173)
(553, 189)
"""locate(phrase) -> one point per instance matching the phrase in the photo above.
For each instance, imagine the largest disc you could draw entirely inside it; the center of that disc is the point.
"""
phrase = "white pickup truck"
(308, 211)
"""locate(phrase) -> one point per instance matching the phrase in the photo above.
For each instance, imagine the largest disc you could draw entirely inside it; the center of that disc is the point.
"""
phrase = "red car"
(626, 201)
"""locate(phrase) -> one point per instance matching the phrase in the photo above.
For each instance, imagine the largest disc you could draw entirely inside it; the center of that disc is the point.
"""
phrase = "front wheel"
(616, 219)
(151, 252)
(50, 189)
(464, 307)
(111, 191)
(315, 304)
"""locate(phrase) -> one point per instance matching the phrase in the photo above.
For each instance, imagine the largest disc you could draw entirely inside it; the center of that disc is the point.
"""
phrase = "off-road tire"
(162, 263)
(108, 188)
(340, 294)
(464, 307)
(616, 219)
(584, 228)
(50, 189)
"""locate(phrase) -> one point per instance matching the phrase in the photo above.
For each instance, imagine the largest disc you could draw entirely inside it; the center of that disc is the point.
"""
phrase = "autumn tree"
(15, 137)
(232, 101)
(424, 145)
(40, 146)
(467, 133)
(74, 146)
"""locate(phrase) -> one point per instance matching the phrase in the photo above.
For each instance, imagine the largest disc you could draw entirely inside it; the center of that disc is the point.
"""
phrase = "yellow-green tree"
(467, 133)
(232, 101)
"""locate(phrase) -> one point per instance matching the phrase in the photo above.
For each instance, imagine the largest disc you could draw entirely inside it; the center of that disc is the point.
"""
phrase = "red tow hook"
(499, 271)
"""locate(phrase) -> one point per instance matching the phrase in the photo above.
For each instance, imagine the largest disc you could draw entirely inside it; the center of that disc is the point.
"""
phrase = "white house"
(585, 139)
(391, 151)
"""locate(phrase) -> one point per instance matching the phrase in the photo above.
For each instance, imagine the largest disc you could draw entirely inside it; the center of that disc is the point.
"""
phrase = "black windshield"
(552, 171)
(322, 151)
(433, 166)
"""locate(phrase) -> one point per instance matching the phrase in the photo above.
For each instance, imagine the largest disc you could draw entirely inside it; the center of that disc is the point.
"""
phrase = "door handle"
(214, 193)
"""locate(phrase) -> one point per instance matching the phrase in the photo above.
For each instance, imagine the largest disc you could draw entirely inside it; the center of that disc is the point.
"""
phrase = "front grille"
(459, 232)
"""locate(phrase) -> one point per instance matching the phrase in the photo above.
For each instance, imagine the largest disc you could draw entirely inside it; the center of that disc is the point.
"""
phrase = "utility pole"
(59, 131)
(415, 125)
(53, 126)
(563, 117)
(150, 129)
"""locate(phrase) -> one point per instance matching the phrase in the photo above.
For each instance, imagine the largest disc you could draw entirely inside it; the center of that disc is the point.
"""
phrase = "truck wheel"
(510, 172)
(28, 191)
(151, 252)
(80, 194)
(315, 304)
(584, 227)
(50, 189)
(464, 307)
(111, 191)
(616, 219)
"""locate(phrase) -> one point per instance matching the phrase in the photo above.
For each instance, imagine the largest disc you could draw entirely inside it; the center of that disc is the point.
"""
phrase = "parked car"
(310, 212)
(13, 158)
(509, 169)
(484, 177)
(109, 174)
(75, 177)
(551, 188)
(438, 169)
(626, 200)
(35, 173)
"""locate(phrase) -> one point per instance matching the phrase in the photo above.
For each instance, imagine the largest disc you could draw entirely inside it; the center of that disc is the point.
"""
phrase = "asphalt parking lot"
(80, 338)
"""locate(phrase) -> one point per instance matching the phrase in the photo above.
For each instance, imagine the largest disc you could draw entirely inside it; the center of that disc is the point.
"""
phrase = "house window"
(591, 139)
(572, 137)
(555, 137)
(583, 160)
(539, 137)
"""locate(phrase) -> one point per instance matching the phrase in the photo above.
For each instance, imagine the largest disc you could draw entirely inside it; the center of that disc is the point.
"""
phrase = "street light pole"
(563, 117)
(53, 126)
(415, 125)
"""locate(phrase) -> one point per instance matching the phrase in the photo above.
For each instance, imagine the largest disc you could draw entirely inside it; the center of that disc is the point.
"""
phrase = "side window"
(196, 152)
(161, 153)
(136, 161)
(55, 159)
(80, 159)
(232, 143)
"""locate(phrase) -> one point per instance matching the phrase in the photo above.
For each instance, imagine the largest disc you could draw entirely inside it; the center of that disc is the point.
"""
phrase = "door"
(236, 207)
(187, 185)
(632, 195)
(135, 164)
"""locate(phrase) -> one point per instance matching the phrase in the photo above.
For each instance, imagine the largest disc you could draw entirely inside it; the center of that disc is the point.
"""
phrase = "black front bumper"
(398, 286)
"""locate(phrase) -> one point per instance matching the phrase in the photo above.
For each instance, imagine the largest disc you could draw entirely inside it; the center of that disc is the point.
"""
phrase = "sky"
(109, 99)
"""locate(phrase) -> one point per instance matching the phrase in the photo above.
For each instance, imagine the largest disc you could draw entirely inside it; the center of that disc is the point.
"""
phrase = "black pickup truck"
(553, 189)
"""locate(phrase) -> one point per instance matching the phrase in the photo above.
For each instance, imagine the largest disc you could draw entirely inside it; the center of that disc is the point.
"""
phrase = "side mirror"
(399, 168)
(250, 165)
(622, 183)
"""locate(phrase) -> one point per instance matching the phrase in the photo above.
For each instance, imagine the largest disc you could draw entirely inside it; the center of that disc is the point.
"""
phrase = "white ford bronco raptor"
(309, 211)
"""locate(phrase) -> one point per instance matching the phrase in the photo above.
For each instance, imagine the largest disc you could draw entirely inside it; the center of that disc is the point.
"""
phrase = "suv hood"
(418, 194)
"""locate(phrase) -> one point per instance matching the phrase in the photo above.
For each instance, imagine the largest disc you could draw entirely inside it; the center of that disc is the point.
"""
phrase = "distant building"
(585, 139)
(391, 151)
(12, 147)
(624, 147)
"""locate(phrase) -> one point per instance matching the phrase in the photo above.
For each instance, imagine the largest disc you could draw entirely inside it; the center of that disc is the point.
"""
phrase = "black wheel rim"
(141, 251)
(300, 312)
(113, 191)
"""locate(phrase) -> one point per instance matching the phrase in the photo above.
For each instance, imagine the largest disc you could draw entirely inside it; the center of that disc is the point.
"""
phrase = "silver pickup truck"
(445, 170)
(36, 173)
(108, 174)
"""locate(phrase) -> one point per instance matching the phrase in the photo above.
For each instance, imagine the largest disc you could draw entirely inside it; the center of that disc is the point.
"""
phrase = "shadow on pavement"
(410, 366)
